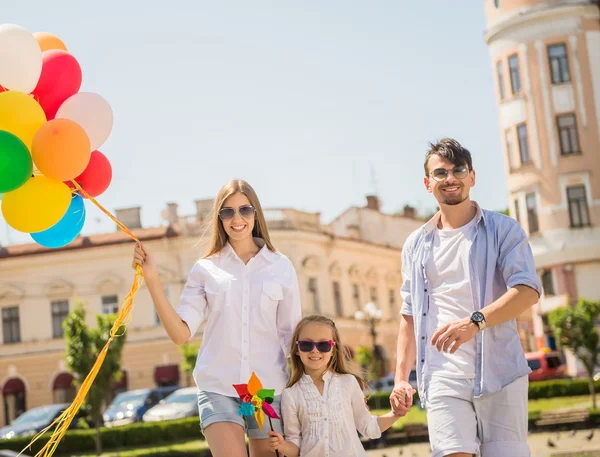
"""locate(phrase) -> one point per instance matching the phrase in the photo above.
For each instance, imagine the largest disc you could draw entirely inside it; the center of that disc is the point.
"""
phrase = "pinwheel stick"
(271, 424)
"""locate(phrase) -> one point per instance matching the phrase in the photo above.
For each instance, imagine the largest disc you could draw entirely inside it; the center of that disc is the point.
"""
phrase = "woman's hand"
(142, 257)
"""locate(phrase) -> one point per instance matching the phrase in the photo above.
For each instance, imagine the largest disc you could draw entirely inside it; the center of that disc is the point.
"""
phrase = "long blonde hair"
(337, 364)
(219, 236)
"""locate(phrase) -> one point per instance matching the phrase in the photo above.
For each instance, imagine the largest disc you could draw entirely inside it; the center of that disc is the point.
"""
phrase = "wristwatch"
(478, 319)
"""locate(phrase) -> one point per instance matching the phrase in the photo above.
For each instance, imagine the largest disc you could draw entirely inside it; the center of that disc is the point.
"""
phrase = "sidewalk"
(539, 444)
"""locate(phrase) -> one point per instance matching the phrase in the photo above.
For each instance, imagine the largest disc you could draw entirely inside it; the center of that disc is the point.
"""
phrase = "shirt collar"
(306, 379)
(265, 252)
(433, 222)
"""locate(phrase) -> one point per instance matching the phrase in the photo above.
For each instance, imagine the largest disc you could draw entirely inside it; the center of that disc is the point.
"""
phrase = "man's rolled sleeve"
(406, 281)
(516, 259)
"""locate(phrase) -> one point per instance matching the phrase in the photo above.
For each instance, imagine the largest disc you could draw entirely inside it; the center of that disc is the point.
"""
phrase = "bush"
(115, 438)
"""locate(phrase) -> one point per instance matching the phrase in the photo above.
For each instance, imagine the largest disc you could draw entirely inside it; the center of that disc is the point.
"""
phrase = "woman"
(248, 293)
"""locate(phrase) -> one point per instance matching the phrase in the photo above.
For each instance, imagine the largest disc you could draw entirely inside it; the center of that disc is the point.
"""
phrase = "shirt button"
(425, 290)
(424, 314)
(422, 360)
(422, 337)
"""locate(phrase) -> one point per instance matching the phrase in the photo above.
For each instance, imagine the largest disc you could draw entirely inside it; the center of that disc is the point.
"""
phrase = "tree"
(574, 327)
(506, 212)
(189, 352)
(370, 365)
(83, 347)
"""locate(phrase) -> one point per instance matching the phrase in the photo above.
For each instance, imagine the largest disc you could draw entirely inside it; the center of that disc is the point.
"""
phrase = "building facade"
(340, 268)
(545, 59)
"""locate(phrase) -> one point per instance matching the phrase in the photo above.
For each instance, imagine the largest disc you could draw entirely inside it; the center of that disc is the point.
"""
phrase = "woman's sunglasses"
(322, 346)
(441, 174)
(246, 211)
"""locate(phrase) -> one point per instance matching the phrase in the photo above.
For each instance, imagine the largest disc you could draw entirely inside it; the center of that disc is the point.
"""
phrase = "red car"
(545, 365)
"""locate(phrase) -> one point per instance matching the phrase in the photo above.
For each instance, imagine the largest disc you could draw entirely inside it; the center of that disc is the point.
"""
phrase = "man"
(467, 274)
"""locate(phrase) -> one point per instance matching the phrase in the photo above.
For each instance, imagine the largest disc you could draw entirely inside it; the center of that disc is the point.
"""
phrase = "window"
(523, 144)
(517, 211)
(548, 283)
(110, 304)
(313, 290)
(11, 325)
(534, 364)
(515, 75)
(578, 207)
(559, 63)
(356, 296)
(373, 294)
(567, 133)
(532, 215)
(393, 301)
(500, 79)
(553, 361)
(337, 298)
(60, 311)
(512, 163)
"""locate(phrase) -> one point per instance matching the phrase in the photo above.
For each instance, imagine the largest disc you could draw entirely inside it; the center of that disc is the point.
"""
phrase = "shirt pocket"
(217, 293)
(271, 294)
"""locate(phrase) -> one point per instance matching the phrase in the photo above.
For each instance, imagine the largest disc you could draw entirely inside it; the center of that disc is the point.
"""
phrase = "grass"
(169, 449)
(552, 404)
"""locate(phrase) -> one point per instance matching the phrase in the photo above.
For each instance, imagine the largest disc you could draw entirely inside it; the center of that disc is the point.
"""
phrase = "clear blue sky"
(299, 98)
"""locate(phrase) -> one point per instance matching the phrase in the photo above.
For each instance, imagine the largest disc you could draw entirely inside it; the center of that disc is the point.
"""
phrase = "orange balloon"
(48, 41)
(61, 149)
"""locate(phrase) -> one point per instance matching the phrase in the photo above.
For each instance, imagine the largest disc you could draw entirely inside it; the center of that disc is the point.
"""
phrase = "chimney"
(410, 212)
(373, 202)
(130, 217)
(172, 214)
(203, 208)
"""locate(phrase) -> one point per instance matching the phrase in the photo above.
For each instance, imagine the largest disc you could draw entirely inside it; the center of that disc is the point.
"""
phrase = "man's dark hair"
(450, 150)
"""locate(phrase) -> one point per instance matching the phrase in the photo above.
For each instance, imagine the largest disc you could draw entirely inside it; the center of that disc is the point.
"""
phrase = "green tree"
(83, 348)
(370, 365)
(574, 326)
(189, 353)
(506, 212)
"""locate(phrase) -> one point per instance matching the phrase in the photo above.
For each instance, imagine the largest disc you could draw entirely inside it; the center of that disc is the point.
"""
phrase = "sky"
(315, 103)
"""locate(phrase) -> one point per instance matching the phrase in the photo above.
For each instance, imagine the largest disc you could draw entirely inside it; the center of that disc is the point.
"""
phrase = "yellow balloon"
(37, 205)
(21, 115)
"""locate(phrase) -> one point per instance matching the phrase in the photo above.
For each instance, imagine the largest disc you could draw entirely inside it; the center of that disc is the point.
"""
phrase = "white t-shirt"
(450, 299)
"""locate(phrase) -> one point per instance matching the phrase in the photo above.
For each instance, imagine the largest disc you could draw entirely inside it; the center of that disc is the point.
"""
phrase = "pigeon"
(572, 433)
(590, 436)
(551, 443)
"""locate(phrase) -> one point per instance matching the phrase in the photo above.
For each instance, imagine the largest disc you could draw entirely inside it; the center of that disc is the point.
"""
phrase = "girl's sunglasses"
(246, 211)
(441, 174)
(322, 346)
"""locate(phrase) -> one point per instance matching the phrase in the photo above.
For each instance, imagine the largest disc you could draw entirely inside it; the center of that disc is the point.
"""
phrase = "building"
(340, 267)
(546, 64)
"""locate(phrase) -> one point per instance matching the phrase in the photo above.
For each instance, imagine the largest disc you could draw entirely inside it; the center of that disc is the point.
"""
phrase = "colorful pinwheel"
(256, 401)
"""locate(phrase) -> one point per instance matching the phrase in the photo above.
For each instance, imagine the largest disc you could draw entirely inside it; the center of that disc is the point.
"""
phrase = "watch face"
(478, 317)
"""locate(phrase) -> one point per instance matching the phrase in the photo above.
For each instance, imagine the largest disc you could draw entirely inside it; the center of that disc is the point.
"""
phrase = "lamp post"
(371, 315)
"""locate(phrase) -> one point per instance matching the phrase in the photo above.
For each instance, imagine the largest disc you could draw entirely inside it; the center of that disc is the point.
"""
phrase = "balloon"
(60, 78)
(15, 162)
(21, 58)
(67, 229)
(97, 176)
(90, 111)
(48, 41)
(61, 149)
(2, 89)
(37, 205)
(20, 115)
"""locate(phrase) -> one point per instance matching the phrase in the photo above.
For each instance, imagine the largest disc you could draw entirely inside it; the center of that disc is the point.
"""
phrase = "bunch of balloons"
(49, 137)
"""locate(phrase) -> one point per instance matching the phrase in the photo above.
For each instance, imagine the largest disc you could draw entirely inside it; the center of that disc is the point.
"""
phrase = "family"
(467, 274)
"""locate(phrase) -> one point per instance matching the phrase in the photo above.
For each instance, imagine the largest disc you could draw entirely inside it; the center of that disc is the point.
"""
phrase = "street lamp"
(371, 315)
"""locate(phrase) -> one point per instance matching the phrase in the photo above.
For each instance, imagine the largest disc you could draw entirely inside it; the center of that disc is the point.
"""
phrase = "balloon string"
(122, 321)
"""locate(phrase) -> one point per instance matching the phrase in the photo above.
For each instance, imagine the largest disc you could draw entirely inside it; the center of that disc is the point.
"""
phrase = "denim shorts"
(215, 408)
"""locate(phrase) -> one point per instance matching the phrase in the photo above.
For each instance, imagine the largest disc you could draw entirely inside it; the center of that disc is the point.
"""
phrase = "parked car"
(129, 407)
(545, 364)
(181, 403)
(386, 384)
(35, 420)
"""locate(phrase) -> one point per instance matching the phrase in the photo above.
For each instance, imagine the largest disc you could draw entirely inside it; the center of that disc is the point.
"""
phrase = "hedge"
(133, 435)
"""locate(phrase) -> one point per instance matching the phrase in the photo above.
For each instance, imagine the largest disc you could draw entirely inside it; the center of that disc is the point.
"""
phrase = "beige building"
(340, 266)
(546, 64)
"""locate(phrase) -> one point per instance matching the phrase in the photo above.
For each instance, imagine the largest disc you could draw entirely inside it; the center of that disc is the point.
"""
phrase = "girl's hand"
(276, 441)
(142, 257)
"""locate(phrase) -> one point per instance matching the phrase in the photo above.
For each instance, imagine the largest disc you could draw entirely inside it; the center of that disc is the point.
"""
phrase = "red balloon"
(60, 78)
(2, 89)
(97, 176)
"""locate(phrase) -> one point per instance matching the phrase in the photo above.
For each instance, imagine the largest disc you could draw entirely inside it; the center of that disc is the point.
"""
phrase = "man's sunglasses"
(441, 174)
(322, 346)
(246, 211)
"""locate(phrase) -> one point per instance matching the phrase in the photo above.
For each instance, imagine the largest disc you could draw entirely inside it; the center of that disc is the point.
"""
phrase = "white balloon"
(90, 111)
(20, 59)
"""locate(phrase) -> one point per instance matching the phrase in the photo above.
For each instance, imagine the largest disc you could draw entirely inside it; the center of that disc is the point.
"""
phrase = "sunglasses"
(441, 174)
(246, 211)
(322, 346)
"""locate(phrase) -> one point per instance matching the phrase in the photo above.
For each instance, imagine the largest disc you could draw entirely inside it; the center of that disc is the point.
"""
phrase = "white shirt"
(251, 311)
(326, 425)
(450, 299)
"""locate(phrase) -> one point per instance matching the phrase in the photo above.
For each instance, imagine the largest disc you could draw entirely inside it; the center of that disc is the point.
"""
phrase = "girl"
(249, 295)
(324, 405)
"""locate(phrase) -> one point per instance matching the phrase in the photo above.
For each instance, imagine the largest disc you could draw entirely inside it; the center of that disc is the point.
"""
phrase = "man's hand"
(276, 441)
(452, 336)
(401, 398)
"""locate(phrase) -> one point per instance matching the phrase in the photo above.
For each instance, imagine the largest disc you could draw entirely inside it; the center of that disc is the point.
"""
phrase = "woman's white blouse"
(326, 425)
(251, 310)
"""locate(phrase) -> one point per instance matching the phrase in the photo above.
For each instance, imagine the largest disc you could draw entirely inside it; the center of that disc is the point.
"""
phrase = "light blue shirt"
(499, 258)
